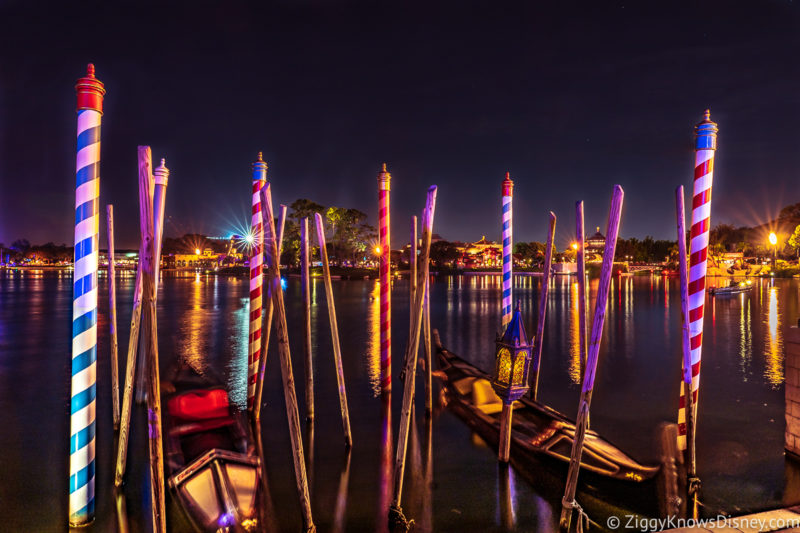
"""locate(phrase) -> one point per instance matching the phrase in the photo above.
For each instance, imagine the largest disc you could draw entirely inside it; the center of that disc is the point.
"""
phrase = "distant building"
(482, 253)
(595, 246)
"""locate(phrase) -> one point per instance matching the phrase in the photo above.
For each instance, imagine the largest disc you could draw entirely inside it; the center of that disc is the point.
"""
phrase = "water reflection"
(340, 509)
(374, 340)
(574, 369)
(773, 350)
(507, 497)
(745, 336)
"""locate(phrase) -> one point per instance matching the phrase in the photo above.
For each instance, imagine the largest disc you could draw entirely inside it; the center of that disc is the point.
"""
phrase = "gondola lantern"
(513, 360)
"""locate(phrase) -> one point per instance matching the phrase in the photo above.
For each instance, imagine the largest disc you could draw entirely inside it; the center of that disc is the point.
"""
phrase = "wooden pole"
(157, 499)
(397, 521)
(580, 259)
(692, 481)
(412, 282)
(426, 334)
(305, 288)
(112, 316)
(285, 357)
(504, 444)
(537, 355)
(612, 232)
(158, 188)
(268, 312)
(130, 363)
(337, 350)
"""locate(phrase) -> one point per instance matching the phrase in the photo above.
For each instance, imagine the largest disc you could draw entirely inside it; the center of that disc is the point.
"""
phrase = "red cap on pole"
(508, 185)
(90, 91)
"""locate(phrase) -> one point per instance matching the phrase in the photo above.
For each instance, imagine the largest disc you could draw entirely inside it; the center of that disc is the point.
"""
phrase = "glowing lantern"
(513, 359)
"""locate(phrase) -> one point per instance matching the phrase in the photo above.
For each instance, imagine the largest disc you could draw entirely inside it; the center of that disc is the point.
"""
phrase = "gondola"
(732, 289)
(541, 444)
(213, 468)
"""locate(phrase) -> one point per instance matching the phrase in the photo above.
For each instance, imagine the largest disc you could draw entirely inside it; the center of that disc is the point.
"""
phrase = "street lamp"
(773, 240)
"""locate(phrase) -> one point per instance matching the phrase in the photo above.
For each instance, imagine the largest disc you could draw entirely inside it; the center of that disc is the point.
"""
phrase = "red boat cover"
(199, 405)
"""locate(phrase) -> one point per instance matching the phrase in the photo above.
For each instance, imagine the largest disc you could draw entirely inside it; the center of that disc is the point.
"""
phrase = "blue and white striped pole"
(508, 194)
(84, 302)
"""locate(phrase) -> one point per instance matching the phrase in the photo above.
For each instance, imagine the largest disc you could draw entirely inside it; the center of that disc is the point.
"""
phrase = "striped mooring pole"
(508, 274)
(384, 228)
(705, 147)
(256, 281)
(84, 301)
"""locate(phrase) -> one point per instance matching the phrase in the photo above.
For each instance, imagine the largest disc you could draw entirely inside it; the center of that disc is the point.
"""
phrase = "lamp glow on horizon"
(377, 250)
(773, 239)
(575, 246)
(197, 251)
(249, 238)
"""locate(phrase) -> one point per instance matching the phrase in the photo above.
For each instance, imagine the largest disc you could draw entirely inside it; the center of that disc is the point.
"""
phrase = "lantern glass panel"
(504, 365)
(519, 367)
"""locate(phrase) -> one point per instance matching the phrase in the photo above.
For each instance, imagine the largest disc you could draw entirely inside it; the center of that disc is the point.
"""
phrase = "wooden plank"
(112, 317)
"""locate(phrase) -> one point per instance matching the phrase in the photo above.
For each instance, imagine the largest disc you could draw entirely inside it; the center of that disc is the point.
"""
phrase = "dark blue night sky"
(569, 97)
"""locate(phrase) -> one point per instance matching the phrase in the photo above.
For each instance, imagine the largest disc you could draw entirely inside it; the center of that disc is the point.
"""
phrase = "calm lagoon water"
(203, 320)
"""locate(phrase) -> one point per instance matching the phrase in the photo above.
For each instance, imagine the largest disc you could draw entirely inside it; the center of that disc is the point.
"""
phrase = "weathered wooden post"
(705, 147)
(151, 342)
(133, 344)
(112, 316)
(580, 259)
(285, 357)
(337, 350)
(397, 522)
(267, 318)
(508, 245)
(548, 262)
(305, 289)
(412, 281)
(426, 337)
(612, 231)
(384, 234)
(256, 282)
(84, 301)
(160, 177)
(692, 482)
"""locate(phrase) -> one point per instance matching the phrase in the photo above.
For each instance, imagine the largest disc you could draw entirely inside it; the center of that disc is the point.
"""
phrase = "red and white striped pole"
(256, 281)
(384, 179)
(705, 147)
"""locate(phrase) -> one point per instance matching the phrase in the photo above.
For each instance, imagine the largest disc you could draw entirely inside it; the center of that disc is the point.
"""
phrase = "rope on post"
(83, 386)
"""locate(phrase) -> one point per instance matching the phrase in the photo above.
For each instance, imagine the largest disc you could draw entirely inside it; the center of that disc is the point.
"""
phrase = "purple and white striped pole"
(508, 195)
(84, 302)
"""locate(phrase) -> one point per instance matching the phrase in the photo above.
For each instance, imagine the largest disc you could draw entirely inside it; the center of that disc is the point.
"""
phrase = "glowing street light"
(249, 238)
(575, 246)
(197, 251)
(377, 250)
(773, 240)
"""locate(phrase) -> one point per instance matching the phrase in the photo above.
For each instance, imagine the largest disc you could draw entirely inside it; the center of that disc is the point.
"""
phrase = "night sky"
(569, 97)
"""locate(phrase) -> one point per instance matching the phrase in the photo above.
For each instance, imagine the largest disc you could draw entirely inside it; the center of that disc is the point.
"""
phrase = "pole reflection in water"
(268, 518)
(340, 510)
(506, 494)
(575, 359)
(745, 336)
(374, 340)
(425, 522)
(237, 364)
(309, 447)
(773, 352)
(121, 511)
(385, 476)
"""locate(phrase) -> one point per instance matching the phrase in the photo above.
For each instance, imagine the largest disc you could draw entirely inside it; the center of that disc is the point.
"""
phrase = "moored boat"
(541, 443)
(732, 289)
(211, 461)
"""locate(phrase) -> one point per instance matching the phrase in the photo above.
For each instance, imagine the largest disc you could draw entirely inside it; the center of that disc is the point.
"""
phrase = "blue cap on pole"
(706, 133)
